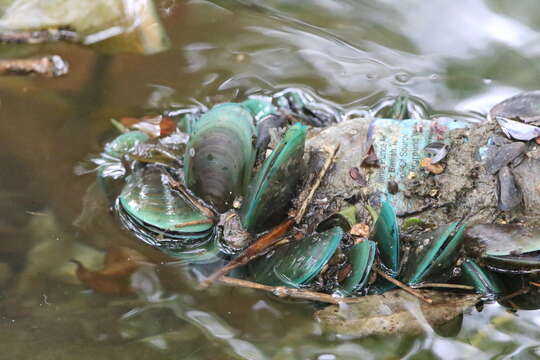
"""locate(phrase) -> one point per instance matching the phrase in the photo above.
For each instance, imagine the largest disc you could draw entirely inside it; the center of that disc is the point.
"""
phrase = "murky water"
(459, 57)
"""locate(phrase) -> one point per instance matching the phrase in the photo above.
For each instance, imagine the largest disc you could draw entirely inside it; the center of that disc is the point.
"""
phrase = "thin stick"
(534, 283)
(441, 285)
(253, 251)
(283, 292)
(195, 222)
(273, 236)
(402, 285)
(206, 210)
(38, 36)
(332, 151)
(521, 291)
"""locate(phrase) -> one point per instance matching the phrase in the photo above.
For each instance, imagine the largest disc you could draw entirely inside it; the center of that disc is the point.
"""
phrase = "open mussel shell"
(156, 213)
(505, 248)
(386, 235)
(220, 155)
(122, 144)
(272, 189)
(483, 281)
(296, 263)
(524, 107)
(438, 255)
(361, 257)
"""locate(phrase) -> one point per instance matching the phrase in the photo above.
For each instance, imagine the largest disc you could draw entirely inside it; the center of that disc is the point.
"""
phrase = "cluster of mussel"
(224, 176)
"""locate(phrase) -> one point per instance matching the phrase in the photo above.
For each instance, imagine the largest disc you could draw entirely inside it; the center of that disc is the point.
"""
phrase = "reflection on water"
(459, 57)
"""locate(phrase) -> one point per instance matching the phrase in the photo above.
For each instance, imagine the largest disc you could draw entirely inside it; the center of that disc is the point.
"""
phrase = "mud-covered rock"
(395, 312)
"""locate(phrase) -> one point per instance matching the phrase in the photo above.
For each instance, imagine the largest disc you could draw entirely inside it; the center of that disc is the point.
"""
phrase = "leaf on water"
(153, 126)
(115, 277)
(395, 312)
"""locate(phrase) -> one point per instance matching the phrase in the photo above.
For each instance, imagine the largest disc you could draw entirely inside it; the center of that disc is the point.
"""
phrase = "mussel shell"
(524, 106)
(220, 154)
(275, 185)
(517, 130)
(260, 107)
(504, 155)
(121, 145)
(440, 254)
(510, 195)
(505, 248)
(361, 257)
(386, 235)
(150, 208)
(296, 263)
(484, 281)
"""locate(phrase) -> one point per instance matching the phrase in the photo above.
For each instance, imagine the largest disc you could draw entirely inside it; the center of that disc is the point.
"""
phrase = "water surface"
(458, 57)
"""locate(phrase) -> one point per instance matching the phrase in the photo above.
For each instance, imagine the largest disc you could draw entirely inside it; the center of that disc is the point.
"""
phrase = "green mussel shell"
(484, 281)
(148, 205)
(361, 257)
(386, 235)
(298, 262)
(124, 143)
(220, 155)
(275, 185)
(433, 259)
(505, 247)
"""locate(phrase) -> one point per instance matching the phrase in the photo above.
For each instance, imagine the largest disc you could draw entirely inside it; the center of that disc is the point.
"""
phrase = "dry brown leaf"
(153, 126)
(432, 168)
(360, 230)
(115, 277)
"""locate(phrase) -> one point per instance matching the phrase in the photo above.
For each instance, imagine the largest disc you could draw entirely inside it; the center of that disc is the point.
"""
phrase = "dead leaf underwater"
(115, 277)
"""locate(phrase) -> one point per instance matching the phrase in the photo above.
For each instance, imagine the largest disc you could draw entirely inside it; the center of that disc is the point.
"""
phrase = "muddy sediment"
(465, 191)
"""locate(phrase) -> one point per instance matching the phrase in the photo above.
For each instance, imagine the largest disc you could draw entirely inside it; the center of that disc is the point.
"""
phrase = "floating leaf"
(115, 277)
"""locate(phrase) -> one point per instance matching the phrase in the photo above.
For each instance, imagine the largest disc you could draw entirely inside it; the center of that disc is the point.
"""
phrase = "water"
(459, 57)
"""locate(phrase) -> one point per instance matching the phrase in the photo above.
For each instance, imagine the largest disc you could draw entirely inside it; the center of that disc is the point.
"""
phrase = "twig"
(253, 251)
(283, 292)
(49, 66)
(519, 292)
(273, 236)
(441, 285)
(38, 36)
(332, 151)
(195, 222)
(206, 210)
(402, 285)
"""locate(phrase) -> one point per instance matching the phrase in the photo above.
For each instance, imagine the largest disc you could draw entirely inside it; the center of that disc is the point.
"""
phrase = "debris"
(439, 151)
(39, 36)
(360, 230)
(428, 165)
(48, 66)
(115, 277)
